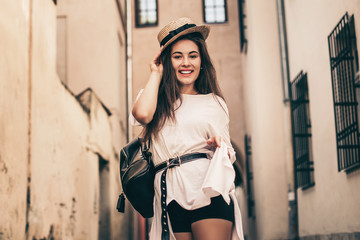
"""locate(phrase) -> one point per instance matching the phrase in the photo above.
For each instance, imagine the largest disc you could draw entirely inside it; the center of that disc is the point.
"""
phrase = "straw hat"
(180, 27)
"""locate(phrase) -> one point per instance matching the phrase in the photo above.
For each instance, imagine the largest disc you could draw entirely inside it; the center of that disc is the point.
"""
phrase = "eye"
(177, 56)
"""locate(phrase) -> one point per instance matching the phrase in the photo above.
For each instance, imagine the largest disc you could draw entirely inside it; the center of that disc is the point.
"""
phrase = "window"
(242, 25)
(249, 178)
(300, 114)
(344, 67)
(146, 13)
(215, 11)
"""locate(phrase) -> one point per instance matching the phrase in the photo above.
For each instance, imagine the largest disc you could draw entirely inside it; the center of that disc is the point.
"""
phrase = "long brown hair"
(169, 89)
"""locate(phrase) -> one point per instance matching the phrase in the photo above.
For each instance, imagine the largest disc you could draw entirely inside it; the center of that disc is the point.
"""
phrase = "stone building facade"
(304, 140)
(300, 184)
(62, 119)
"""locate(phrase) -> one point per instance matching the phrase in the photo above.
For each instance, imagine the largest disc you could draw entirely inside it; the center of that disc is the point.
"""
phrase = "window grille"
(146, 12)
(300, 114)
(344, 65)
(249, 177)
(242, 25)
(215, 11)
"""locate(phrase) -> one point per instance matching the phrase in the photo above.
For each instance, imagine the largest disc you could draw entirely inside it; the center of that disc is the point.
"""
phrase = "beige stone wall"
(95, 54)
(331, 206)
(95, 35)
(14, 95)
(96, 57)
(264, 116)
(59, 172)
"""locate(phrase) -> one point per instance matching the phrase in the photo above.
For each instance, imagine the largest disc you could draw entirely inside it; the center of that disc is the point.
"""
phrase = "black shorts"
(181, 219)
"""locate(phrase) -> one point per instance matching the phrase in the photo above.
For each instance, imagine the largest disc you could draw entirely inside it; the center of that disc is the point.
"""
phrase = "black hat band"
(175, 32)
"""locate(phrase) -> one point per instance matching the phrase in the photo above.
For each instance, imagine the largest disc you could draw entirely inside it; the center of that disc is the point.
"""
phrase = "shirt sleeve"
(132, 120)
(225, 135)
(224, 130)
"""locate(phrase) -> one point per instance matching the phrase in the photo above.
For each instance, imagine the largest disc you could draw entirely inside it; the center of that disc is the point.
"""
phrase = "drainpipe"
(132, 219)
(138, 228)
(129, 66)
(289, 153)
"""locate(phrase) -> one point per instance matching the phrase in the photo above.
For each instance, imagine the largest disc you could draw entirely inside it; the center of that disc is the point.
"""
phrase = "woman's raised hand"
(156, 65)
(145, 106)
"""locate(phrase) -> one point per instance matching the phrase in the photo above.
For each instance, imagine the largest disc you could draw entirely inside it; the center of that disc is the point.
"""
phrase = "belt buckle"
(172, 161)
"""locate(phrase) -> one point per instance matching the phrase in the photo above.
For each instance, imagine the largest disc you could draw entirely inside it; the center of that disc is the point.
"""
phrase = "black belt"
(173, 162)
(177, 161)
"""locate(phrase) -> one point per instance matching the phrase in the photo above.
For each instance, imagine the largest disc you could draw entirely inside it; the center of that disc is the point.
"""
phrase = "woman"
(184, 114)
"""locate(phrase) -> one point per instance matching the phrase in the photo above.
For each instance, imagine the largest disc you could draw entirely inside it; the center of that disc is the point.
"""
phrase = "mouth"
(186, 72)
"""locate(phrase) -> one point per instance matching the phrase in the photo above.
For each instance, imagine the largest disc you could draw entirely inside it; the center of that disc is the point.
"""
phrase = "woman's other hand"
(214, 141)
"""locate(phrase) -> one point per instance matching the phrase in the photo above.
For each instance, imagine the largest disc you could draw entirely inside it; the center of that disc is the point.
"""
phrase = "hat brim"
(203, 30)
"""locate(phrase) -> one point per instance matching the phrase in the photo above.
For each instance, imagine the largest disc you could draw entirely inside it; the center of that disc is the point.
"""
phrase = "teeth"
(185, 72)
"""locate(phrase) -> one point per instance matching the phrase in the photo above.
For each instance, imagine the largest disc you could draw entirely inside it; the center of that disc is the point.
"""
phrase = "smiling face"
(186, 61)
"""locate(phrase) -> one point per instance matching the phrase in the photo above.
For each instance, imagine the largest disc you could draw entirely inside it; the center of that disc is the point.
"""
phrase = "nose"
(186, 61)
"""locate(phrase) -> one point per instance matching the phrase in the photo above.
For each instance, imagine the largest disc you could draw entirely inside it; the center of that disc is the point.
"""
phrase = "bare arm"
(144, 108)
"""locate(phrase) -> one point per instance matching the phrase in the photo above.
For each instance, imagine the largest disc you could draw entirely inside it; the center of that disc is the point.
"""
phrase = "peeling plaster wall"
(14, 69)
(60, 161)
(96, 52)
(49, 143)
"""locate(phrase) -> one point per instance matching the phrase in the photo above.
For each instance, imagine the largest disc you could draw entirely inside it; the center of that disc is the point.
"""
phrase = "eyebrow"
(182, 53)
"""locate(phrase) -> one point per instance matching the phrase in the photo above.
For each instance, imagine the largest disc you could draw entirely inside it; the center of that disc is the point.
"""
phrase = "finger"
(210, 140)
(214, 141)
(218, 141)
(156, 59)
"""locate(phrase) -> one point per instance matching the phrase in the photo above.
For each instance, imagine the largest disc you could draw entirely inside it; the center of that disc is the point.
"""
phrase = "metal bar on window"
(242, 26)
(301, 132)
(344, 65)
(249, 177)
